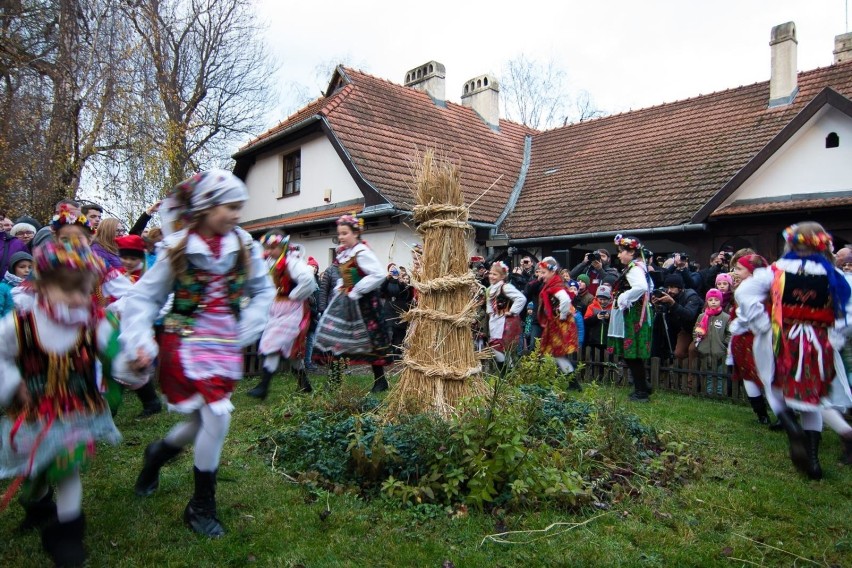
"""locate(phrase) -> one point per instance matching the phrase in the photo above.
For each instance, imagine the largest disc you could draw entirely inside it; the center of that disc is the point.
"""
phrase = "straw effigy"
(440, 367)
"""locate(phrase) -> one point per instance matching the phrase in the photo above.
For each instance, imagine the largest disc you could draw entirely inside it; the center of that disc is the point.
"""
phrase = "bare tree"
(538, 95)
(212, 75)
(62, 63)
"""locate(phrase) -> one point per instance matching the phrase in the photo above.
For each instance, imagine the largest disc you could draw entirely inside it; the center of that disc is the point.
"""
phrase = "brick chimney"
(783, 81)
(428, 78)
(482, 94)
(843, 48)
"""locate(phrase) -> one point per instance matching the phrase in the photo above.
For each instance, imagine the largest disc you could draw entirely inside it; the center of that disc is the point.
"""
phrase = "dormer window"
(292, 182)
(832, 140)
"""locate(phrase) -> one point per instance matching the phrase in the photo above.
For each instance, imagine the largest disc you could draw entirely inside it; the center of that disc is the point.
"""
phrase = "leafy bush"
(523, 443)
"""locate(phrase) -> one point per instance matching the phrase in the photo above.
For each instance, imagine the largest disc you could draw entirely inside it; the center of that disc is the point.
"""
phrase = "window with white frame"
(292, 181)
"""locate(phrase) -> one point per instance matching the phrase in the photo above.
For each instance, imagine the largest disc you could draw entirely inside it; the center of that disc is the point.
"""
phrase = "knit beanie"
(604, 292)
(714, 293)
(673, 281)
(584, 278)
(725, 277)
(18, 257)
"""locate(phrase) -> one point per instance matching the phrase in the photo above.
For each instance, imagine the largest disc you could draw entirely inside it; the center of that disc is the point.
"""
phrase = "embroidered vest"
(281, 278)
(58, 384)
(351, 273)
(191, 287)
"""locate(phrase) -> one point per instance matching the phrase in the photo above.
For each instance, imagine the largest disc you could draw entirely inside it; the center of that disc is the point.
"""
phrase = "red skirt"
(560, 337)
(177, 387)
(743, 353)
(511, 336)
(813, 382)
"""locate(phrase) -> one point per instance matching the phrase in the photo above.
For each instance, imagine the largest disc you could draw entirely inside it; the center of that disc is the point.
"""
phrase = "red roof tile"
(383, 126)
(285, 221)
(653, 167)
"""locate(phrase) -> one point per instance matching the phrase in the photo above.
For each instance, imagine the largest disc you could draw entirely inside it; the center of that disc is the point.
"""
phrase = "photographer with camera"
(677, 310)
(720, 263)
(523, 274)
(680, 266)
(596, 266)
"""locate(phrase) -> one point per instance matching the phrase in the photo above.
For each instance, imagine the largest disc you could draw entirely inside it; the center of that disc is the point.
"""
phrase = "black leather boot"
(796, 437)
(574, 383)
(640, 383)
(759, 407)
(380, 383)
(262, 388)
(200, 512)
(846, 440)
(151, 404)
(157, 455)
(812, 439)
(303, 382)
(64, 542)
(39, 513)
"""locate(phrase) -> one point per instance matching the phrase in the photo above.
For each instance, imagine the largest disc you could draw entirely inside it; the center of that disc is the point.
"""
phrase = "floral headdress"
(549, 264)
(819, 241)
(67, 217)
(631, 243)
(501, 266)
(272, 240)
(70, 254)
(356, 223)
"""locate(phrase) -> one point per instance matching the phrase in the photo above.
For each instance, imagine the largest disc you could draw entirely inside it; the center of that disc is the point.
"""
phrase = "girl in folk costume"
(556, 316)
(131, 252)
(222, 294)
(810, 311)
(504, 303)
(741, 348)
(286, 330)
(65, 225)
(55, 409)
(630, 321)
(352, 323)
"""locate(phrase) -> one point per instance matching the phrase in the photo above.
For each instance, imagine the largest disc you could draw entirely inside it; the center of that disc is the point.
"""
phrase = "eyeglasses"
(525, 262)
(24, 234)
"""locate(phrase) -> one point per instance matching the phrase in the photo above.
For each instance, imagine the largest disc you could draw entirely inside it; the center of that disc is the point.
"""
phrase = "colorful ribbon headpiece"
(70, 254)
(627, 242)
(272, 240)
(68, 217)
(819, 241)
(356, 223)
(501, 266)
(551, 266)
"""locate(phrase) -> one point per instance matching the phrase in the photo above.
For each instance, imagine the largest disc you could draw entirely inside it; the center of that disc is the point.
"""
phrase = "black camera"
(727, 255)
(594, 256)
(659, 292)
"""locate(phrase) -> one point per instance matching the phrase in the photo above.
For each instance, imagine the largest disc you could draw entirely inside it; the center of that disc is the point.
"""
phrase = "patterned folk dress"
(504, 303)
(53, 433)
(559, 337)
(286, 331)
(631, 296)
(353, 323)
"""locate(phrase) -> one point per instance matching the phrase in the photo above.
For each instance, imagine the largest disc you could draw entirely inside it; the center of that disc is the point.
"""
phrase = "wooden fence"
(665, 375)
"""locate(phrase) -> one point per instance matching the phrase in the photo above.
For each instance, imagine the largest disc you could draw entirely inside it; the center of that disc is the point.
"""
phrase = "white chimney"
(428, 78)
(843, 48)
(783, 84)
(482, 94)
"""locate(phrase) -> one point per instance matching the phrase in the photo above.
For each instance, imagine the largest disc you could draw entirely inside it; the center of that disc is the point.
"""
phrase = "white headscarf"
(200, 192)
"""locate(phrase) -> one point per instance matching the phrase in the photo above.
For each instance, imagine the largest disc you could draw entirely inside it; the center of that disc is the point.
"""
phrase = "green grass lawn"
(748, 508)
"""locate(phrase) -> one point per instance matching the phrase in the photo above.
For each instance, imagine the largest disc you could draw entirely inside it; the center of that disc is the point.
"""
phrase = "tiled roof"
(285, 221)
(383, 126)
(736, 208)
(653, 167)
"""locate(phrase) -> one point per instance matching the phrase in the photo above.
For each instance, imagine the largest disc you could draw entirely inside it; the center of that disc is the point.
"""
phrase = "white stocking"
(812, 421)
(752, 390)
(270, 362)
(564, 364)
(184, 433)
(69, 498)
(834, 420)
(210, 439)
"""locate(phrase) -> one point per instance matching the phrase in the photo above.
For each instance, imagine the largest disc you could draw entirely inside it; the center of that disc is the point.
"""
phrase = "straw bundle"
(440, 367)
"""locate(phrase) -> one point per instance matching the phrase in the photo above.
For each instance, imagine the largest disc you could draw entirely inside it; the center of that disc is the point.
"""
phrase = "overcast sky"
(627, 55)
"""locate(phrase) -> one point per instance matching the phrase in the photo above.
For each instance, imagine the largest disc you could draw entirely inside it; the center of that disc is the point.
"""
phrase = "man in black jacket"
(680, 266)
(596, 266)
(677, 310)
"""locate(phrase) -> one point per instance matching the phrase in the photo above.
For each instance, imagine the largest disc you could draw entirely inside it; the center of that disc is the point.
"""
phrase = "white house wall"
(322, 170)
(803, 164)
(390, 245)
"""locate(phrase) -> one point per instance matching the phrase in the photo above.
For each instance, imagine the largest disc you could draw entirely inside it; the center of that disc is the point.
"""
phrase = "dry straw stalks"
(440, 367)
